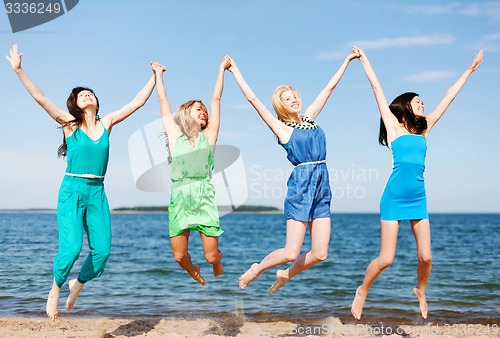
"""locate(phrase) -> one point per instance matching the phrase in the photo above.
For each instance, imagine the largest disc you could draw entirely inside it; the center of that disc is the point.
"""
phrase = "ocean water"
(143, 280)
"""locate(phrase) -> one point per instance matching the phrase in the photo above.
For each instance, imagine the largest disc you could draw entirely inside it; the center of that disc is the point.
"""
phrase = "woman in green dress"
(191, 144)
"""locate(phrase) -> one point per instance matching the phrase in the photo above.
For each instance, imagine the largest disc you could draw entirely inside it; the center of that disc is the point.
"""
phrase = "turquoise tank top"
(87, 156)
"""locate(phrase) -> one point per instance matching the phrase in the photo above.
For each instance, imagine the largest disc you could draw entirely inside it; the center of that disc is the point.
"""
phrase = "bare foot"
(249, 276)
(281, 279)
(52, 307)
(197, 276)
(218, 269)
(358, 302)
(74, 290)
(423, 302)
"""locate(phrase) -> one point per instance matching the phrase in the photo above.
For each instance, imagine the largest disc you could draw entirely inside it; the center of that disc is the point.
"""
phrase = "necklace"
(312, 124)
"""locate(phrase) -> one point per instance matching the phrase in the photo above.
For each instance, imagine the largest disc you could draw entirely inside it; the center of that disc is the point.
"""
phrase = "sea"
(142, 280)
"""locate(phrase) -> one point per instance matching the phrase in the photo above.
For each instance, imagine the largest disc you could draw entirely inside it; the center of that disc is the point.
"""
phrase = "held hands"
(358, 52)
(225, 63)
(232, 64)
(354, 55)
(15, 58)
(157, 67)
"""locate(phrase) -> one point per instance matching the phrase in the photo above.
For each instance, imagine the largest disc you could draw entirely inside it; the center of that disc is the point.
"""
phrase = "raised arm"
(139, 100)
(390, 121)
(171, 128)
(315, 108)
(58, 114)
(277, 127)
(452, 92)
(212, 130)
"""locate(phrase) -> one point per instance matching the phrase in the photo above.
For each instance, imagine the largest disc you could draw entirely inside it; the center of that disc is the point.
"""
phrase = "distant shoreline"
(243, 209)
(222, 209)
(274, 211)
(53, 211)
(28, 211)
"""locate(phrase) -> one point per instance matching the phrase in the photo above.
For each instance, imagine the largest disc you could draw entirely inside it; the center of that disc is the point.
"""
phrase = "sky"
(419, 46)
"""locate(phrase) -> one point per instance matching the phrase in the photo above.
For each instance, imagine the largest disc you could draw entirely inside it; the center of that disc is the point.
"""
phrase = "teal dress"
(404, 196)
(192, 195)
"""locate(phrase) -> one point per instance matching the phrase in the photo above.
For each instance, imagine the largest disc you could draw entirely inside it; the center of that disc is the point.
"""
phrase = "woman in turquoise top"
(82, 203)
(307, 203)
(404, 129)
(191, 141)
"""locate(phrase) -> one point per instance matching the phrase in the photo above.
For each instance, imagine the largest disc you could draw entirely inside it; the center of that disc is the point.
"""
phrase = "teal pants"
(82, 206)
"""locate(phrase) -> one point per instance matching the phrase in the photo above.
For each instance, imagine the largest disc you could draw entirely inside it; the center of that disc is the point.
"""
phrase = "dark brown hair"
(401, 108)
(78, 114)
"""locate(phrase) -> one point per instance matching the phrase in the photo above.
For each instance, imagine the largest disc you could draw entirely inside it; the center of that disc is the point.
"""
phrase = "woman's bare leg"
(388, 242)
(52, 307)
(179, 246)
(295, 232)
(320, 240)
(212, 253)
(422, 232)
(75, 287)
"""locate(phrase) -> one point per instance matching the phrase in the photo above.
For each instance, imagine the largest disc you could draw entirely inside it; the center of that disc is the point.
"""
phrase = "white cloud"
(329, 56)
(429, 76)
(489, 9)
(443, 9)
(407, 41)
(383, 43)
(490, 43)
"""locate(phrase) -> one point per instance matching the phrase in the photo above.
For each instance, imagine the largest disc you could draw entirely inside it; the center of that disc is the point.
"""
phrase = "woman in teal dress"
(404, 129)
(191, 140)
(307, 203)
(82, 204)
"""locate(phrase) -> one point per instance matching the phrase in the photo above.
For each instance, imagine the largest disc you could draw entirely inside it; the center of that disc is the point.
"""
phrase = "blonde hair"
(182, 117)
(189, 126)
(283, 114)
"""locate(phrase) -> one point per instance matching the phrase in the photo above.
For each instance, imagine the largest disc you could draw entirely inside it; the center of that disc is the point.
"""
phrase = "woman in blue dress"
(404, 129)
(307, 203)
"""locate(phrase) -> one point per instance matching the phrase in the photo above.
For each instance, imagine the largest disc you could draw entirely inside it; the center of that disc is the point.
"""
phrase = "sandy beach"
(234, 327)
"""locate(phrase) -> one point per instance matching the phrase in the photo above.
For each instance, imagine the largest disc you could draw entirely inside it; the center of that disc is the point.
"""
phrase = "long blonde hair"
(283, 114)
(189, 126)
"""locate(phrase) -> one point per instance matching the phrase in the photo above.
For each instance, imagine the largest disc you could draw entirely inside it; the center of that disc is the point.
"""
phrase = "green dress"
(192, 196)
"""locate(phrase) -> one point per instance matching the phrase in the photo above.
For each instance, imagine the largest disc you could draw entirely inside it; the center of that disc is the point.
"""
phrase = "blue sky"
(414, 46)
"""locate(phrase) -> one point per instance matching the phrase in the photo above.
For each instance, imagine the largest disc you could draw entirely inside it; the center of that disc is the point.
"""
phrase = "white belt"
(90, 176)
(313, 162)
